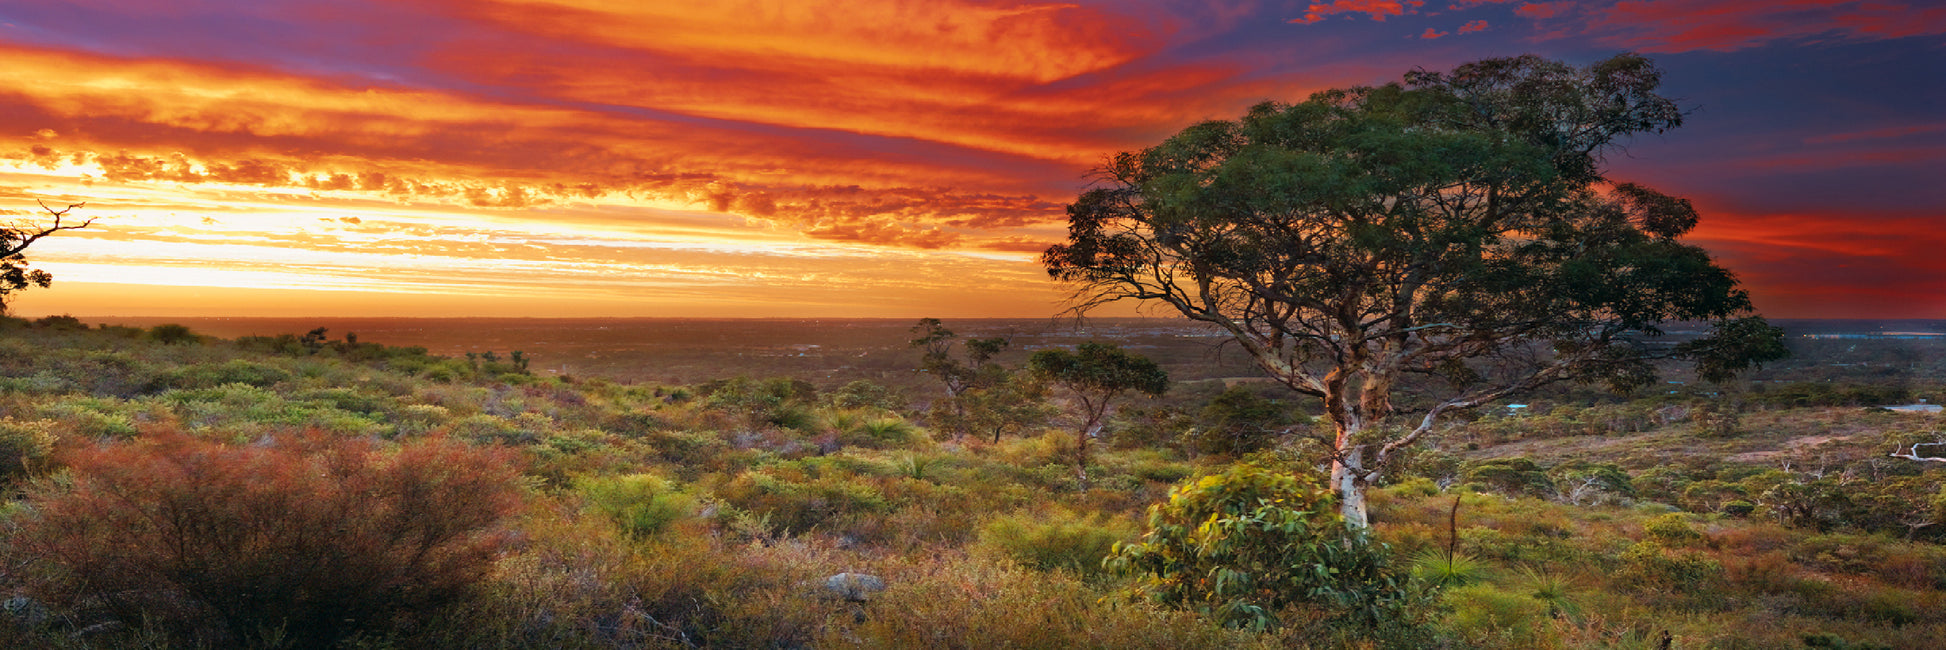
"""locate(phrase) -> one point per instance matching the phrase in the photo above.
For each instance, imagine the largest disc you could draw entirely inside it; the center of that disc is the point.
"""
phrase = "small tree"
(981, 395)
(977, 371)
(1456, 227)
(15, 237)
(1096, 374)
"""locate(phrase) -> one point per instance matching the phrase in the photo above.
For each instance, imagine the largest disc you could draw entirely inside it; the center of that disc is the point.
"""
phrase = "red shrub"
(317, 538)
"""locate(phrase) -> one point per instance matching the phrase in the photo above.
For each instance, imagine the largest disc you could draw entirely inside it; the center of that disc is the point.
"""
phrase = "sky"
(861, 158)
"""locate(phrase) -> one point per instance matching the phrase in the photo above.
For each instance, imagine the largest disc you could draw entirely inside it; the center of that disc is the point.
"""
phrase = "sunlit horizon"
(865, 158)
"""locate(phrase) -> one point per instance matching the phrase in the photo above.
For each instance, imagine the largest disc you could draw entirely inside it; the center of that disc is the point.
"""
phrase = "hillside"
(167, 488)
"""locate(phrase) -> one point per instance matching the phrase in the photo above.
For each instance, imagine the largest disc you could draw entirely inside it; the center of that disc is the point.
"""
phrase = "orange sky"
(883, 158)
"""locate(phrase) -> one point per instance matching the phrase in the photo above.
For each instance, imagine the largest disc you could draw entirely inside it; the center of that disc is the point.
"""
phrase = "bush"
(234, 371)
(25, 447)
(1063, 541)
(1251, 545)
(642, 505)
(311, 538)
(172, 334)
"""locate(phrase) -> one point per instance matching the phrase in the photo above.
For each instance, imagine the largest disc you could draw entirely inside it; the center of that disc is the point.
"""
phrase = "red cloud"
(1475, 26)
(1377, 9)
(1431, 34)
(1540, 10)
(1724, 25)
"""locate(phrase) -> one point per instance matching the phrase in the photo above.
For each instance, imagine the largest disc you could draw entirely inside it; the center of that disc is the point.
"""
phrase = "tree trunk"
(1081, 454)
(1348, 477)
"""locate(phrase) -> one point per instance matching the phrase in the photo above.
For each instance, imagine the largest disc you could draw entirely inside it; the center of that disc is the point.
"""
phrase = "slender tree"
(15, 237)
(1458, 226)
(1096, 374)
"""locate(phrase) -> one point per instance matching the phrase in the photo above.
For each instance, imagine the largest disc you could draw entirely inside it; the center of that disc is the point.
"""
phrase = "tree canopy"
(15, 237)
(1096, 374)
(1458, 226)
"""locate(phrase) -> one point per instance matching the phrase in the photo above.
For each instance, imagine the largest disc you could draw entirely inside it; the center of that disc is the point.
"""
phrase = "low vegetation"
(169, 489)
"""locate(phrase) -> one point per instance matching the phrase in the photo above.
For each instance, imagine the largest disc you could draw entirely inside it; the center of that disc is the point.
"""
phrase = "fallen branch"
(1914, 453)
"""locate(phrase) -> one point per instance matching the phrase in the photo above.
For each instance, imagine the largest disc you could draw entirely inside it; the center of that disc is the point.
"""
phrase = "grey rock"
(853, 587)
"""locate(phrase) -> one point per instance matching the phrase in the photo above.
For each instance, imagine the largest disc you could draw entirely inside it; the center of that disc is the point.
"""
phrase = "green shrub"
(1672, 530)
(862, 394)
(1436, 567)
(91, 418)
(1652, 567)
(1492, 617)
(1518, 476)
(791, 505)
(26, 446)
(1058, 540)
(642, 505)
(890, 432)
(1247, 546)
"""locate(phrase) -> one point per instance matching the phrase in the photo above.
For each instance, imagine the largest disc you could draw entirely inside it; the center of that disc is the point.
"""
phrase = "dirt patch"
(1790, 447)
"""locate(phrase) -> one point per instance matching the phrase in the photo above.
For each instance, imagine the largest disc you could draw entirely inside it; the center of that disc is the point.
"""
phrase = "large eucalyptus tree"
(1455, 225)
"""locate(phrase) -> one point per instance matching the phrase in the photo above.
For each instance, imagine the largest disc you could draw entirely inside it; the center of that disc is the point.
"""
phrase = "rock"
(853, 587)
(27, 611)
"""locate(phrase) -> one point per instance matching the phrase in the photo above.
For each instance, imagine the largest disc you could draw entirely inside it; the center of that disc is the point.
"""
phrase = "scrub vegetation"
(169, 489)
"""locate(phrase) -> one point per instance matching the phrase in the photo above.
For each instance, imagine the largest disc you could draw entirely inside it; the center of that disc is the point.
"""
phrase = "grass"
(685, 516)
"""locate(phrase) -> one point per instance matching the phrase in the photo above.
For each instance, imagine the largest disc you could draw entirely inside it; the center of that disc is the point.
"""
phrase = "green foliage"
(1100, 369)
(1288, 230)
(643, 505)
(1239, 421)
(977, 370)
(799, 504)
(1516, 476)
(1490, 616)
(311, 538)
(863, 394)
(26, 446)
(1096, 374)
(233, 371)
(1653, 567)
(1249, 545)
(1058, 540)
(778, 401)
(1439, 569)
(1673, 531)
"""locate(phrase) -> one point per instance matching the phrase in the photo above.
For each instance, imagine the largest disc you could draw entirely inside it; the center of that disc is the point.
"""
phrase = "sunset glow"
(871, 158)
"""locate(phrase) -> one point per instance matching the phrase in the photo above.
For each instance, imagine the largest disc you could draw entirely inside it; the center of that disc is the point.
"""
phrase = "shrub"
(1651, 567)
(172, 334)
(1491, 617)
(234, 371)
(890, 432)
(310, 538)
(1251, 544)
(1672, 530)
(642, 505)
(793, 505)
(1061, 541)
(1518, 476)
(25, 447)
(1438, 568)
(861, 394)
